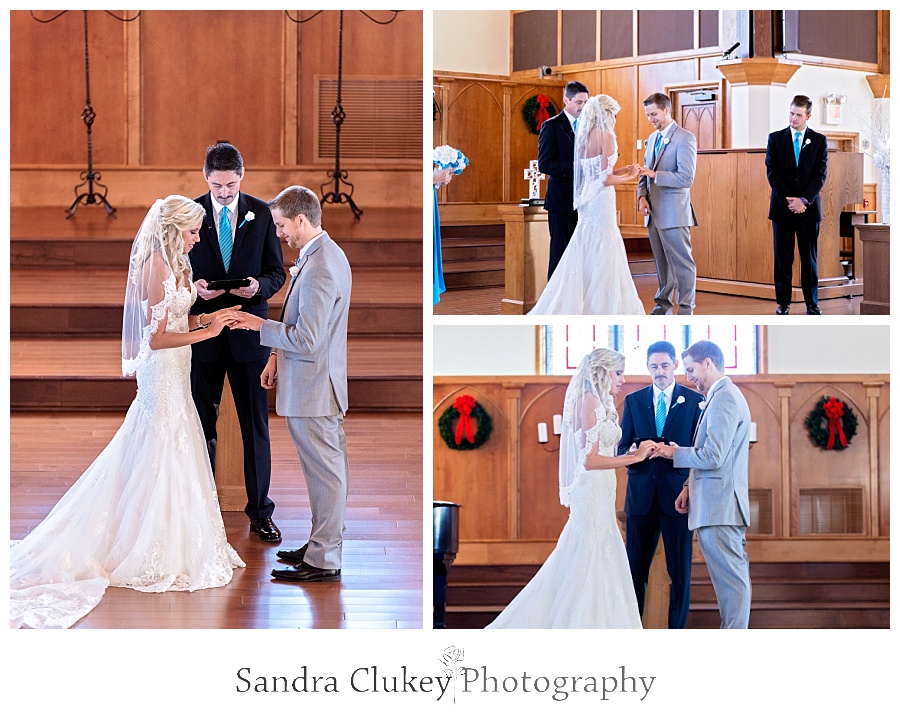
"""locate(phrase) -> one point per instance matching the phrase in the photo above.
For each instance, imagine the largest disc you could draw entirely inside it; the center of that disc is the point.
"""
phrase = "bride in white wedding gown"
(586, 582)
(593, 277)
(145, 514)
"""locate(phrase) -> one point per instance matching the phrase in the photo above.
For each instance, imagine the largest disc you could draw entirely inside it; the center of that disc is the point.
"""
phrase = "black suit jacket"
(788, 179)
(256, 253)
(556, 157)
(647, 478)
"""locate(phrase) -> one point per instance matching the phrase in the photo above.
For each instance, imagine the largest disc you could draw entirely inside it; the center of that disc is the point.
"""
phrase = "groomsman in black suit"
(667, 411)
(796, 165)
(556, 157)
(237, 241)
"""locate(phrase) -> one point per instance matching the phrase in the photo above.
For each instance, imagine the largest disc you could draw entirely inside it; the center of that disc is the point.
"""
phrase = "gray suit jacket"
(669, 194)
(311, 343)
(717, 486)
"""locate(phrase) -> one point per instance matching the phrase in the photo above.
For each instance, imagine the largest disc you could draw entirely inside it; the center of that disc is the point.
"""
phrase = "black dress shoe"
(783, 310)
(266, 529)
(294, 556)
(813, 310)
(307, 573)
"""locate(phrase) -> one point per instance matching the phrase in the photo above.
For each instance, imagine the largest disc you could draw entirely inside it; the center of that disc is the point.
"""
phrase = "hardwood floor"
(382, 575)
(486, 301)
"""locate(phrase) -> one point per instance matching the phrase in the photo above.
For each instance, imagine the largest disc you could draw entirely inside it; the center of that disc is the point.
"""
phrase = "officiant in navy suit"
(671, 412)
(556, 158)
(796, 167)
(237, 241)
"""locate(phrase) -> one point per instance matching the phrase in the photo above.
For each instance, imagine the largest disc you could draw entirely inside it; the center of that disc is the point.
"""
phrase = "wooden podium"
(527, 256)
(229, 456)
(733, 245)
(875, 239)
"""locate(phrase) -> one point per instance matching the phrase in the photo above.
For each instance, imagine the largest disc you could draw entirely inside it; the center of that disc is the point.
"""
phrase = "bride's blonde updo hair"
(176, 214)
(602, 362)
(599, 111)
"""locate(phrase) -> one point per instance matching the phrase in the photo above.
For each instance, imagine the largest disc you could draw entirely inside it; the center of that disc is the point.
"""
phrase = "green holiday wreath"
(831, 424)
(456, 424)
(536, 109)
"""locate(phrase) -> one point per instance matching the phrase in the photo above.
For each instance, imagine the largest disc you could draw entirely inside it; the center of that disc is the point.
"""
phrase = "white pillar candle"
(753, 432)
(542, 432)
(557, 424)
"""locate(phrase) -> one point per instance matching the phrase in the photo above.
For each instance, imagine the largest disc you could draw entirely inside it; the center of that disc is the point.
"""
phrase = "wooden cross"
(534, 177)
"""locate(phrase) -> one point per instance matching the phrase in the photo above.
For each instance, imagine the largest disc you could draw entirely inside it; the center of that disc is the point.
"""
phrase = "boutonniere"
(808, 141)
(679, 400)
(666, 141)
(702, 405)
(250, 216)
(294, 270)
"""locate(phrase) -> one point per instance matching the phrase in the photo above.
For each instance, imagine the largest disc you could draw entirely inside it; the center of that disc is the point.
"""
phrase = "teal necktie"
(225, 240)
(575, 126)
(660, 414)
(797, 137)
(656, 146)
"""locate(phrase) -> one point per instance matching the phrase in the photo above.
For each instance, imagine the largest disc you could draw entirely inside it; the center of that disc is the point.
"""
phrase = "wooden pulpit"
(733, 245)
(229, 456)
(527, 256)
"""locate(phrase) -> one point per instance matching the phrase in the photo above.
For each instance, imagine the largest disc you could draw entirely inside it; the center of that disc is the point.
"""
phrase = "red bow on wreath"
(541, 114)
(834, 411)
(465, 404)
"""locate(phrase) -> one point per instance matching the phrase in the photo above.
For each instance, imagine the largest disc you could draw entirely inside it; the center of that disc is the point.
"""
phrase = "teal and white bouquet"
(445, 157)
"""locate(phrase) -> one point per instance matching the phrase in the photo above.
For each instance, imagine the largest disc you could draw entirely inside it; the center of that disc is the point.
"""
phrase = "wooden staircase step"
(85, 374)
(88, 301)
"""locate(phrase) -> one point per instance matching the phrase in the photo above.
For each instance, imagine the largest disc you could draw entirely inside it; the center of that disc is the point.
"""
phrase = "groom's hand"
(269, 374)
(666, 451)
(681, 502)
(647, 172)
(643, 205)
(246, 321)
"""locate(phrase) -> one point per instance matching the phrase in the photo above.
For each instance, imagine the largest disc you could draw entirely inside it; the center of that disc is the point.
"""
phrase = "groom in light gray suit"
(664, 199)
(716, 495)
(308, 367)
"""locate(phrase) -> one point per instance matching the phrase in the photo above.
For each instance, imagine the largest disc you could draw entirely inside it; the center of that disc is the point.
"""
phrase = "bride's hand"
(221, 319)
(645, 450)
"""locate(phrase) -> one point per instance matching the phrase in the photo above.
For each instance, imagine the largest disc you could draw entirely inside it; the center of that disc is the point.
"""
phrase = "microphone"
(727, 54)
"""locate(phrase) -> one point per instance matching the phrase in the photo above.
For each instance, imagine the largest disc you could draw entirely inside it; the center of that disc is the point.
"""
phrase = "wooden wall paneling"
(47, 90)
(523, 145)
(833, 468)
(474, 125)
(133, 116)
(477, 479)
(541, 517)
(765, 453)
(290, 100)
(654, 77)
(620, 83)
(884, 462)
(198, 87)
(370, 50)
(755, 258)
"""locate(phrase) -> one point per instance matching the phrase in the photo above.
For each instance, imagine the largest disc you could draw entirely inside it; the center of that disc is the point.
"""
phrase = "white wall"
(485, 350)
(472, 41)
(803, 349)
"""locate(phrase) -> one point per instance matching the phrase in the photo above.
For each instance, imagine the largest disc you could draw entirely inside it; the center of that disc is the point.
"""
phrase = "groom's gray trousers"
(322, 448)
(729, 569)
(675, 267)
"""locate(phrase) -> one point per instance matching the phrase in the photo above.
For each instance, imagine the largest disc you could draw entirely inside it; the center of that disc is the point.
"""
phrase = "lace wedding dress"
(145, 514)
(586, 582)
(592, 277)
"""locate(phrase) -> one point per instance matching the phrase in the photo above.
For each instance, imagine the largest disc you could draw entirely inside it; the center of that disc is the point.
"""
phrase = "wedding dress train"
(145, 514)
